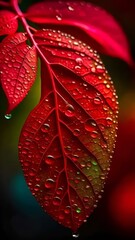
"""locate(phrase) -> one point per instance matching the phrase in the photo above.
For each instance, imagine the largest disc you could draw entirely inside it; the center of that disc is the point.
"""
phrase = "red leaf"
(18, 64)
(95, 21)
(8, 22)
(67, 140)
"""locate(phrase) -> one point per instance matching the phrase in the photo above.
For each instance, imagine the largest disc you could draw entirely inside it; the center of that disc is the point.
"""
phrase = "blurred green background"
(20, 215)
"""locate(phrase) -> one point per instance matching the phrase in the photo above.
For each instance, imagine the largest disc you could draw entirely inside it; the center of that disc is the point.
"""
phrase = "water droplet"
(56, 201)
(109, 121)
(76, 132)
(24, 152)
(86, 199)
(70, 111)
(36, 188)
(100, 69)
(99, 196)
(61, 216)
(89, 164)
(49, 183)
(75, 157)
(76, 43)
(108, 86)
(78, 60)
(75, 235)
(93, 69)
(32, 173)
(94, 134)
(90, 125)
(59, 191)
(67, 210)
(8, 116)
(97, 100)
(58, 17)
(77, 67)
(70, 8)
(49, 159)
(45, 128)
(85, 84)
(78, 210)
(94, 163)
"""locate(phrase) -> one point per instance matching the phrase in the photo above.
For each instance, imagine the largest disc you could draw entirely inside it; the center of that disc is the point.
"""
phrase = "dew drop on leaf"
(109, 121)
(58, 17)
(100, 69)
(70, 8)
(78, 210)
(67, 210)
(8, 116)
(79, 61)
(56, 201)
(45, 128)
(97, 100)
(75, 157)
(94, 163)
(86, 199)
(49, 160)
(77, 67)
(49, 183)
(90, 125)
(59, 191)
(76, 132)
(94, 134)
(70, 111)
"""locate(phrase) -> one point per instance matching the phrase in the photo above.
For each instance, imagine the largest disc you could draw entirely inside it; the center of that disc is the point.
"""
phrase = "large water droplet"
(109, 121)
(32, 173)
(100, 69)
(94, 134)
(75, 235)
(49, 183)
(45, 128)
(8, 116)
(70, 111)
(59, 191)
(56, 201)
(97, 100)
(67, 210)
(49, 160)
(90, 125)
(75, 157)
(78, 60)
(76, 132)
(61, 216)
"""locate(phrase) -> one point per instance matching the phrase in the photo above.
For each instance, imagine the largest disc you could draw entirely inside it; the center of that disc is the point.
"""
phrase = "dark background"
(20, 215)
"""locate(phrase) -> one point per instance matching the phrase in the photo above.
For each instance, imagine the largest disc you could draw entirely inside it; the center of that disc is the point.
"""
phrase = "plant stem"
(14, 4)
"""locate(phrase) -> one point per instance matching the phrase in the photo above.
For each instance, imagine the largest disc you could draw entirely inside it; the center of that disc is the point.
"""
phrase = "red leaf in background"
(95, 21)
(122, 203)
(66, 143)
(18, 65)
(8, 22)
